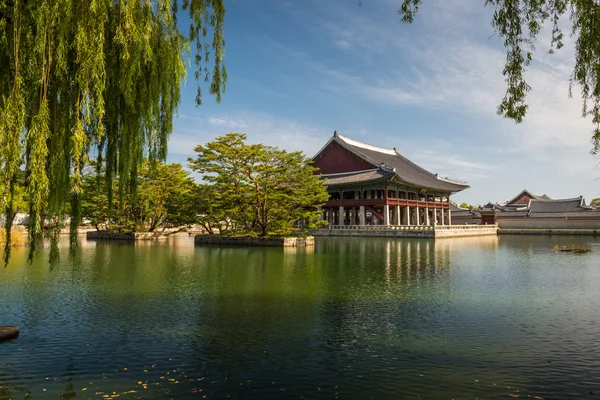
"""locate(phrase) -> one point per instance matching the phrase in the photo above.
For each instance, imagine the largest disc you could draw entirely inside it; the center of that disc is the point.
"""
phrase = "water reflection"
(350, 317)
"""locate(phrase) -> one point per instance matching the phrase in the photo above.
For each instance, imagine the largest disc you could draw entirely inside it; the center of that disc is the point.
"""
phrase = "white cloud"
(260, 128)
(342, 44)
(446, 63)
(226, 122)
(439, 65)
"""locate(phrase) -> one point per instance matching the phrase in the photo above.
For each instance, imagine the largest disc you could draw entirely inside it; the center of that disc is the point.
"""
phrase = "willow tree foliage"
(518, 23)
(99, 76)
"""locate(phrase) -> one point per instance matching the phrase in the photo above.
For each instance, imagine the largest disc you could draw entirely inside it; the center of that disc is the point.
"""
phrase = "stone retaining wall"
(106, 235)
(374, 233)
(410, 232)
(253, 241)
(549, 223)
(591, 232)
(466, 231)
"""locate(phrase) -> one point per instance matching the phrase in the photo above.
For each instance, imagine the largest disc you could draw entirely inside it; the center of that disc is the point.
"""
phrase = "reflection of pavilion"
(370, 185)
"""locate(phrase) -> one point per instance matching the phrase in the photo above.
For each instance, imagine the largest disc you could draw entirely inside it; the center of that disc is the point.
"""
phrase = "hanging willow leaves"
(99, 76)
(518, 23)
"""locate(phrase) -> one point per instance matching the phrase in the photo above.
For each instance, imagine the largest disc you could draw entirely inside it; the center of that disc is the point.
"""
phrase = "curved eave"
(342, 184)
(446, 186)
(457, 189)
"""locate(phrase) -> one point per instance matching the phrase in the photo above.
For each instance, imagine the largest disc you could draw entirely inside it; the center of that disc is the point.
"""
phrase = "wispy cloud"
(260, 128)
(430, 88)
(342, 44)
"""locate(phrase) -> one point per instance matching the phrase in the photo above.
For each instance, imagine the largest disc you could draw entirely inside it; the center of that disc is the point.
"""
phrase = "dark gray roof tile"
(405, 169)
(557, 206)
(356, 177)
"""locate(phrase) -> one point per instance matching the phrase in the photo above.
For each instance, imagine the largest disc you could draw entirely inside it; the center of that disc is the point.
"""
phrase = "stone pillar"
(407, 215)
(386, 215)
(341, 216)
(434, 215)
(426, 215)
(361, 216)
(418, 216)
(443, 219)
(397, 215)
(449, 217)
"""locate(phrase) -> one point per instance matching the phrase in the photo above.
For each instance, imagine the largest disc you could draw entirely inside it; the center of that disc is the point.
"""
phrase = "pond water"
(360, 318)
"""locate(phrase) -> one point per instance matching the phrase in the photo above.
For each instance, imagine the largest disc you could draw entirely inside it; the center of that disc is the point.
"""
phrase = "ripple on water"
(355, 318)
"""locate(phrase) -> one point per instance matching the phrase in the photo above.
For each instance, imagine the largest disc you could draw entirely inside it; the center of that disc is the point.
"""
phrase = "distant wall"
(471, 220)
(20, 219)
(539, 231)
(548, 223)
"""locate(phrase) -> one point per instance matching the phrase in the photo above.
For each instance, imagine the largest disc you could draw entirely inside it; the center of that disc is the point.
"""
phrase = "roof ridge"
(451, 180)
(366, 146)
(557, 200)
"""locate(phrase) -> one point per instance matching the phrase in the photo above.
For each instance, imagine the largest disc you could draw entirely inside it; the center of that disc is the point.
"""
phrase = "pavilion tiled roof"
(404, 169)
(357, 177)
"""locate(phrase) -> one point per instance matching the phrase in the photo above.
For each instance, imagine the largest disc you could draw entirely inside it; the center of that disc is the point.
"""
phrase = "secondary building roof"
(390, 160)
(525, 196)
(548, 208)
(463, 212)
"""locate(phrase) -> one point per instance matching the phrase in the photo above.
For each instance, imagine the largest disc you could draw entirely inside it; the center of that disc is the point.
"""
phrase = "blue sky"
(300, 69)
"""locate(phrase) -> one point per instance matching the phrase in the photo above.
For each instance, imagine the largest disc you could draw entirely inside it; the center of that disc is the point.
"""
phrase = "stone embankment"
(217, 240)
(106, 235)
(540, 231)
(431, 232)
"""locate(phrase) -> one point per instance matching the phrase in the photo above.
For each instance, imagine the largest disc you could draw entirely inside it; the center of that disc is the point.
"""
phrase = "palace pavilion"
(370, 185)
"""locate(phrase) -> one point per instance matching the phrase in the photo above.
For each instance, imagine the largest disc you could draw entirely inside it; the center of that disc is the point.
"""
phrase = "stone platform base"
(105, 235)
(426, 232)
(253, 241)
(590, 232)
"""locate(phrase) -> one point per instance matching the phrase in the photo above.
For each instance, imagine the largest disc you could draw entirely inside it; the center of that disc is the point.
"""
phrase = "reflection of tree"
(69, 392)
(7, 389)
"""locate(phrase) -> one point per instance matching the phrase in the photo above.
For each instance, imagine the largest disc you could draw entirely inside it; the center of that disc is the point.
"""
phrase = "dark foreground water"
(351, 318)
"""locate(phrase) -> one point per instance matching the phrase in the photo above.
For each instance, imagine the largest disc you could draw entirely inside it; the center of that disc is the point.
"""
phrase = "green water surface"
(351, 318)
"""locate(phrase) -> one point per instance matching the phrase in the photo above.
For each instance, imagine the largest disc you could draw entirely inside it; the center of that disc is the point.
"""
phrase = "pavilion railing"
(383, 227)
(463, 227)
